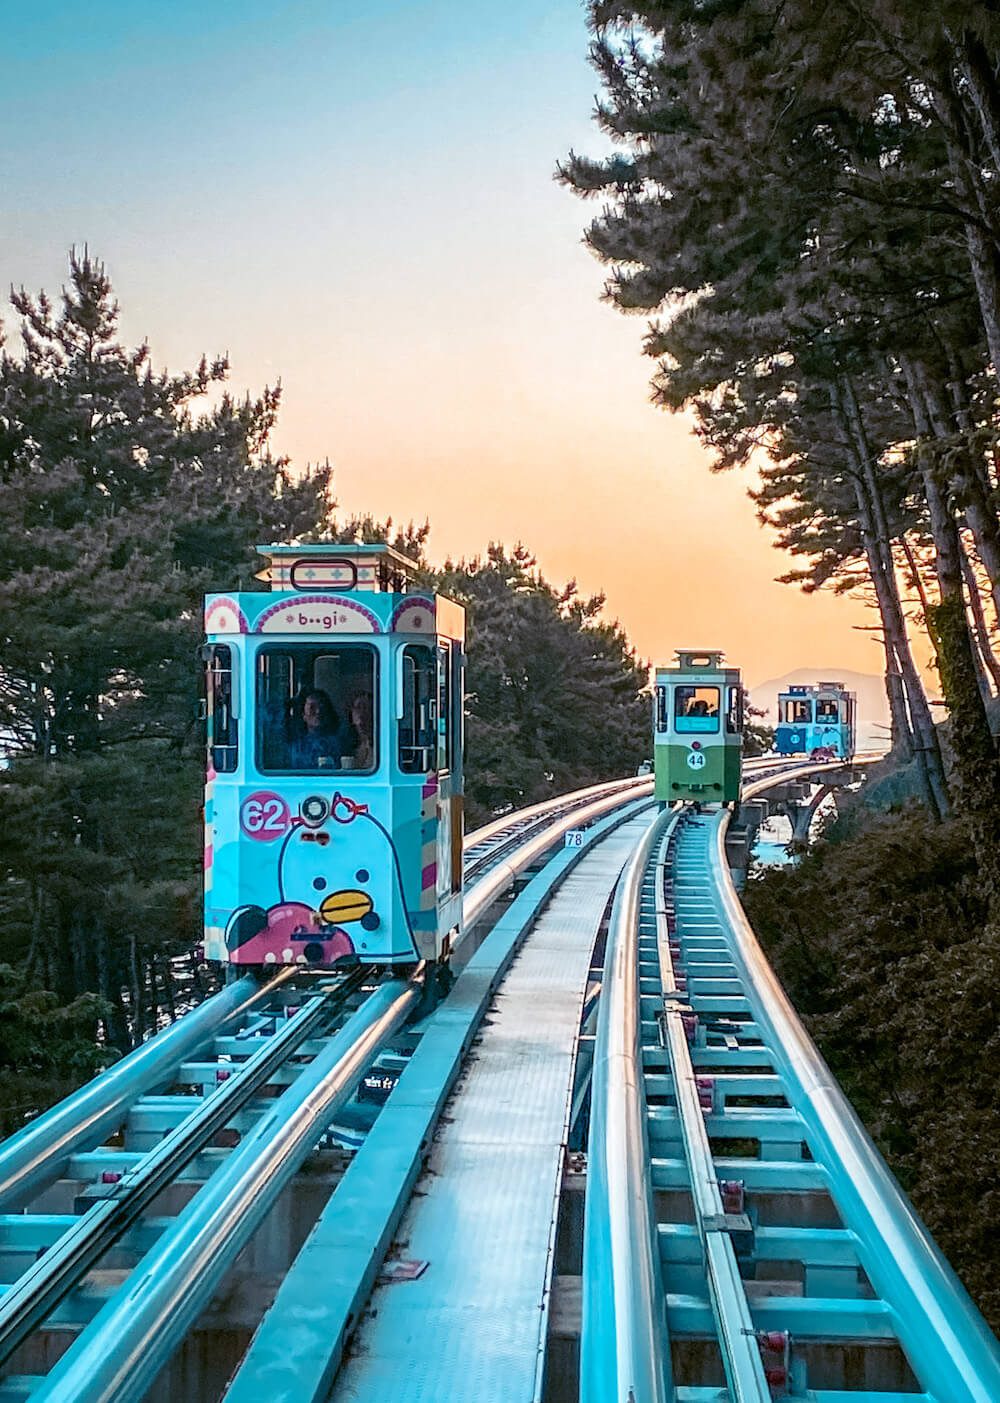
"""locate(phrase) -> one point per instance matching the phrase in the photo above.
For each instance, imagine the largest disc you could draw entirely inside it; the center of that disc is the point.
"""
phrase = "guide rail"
(169, 1138)
(244, 1064)
(44, 1285)
(742, 1232)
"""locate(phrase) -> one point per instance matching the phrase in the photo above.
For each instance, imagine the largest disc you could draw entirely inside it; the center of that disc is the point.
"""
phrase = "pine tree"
(123, 503)
(808, 200)
(556, 698)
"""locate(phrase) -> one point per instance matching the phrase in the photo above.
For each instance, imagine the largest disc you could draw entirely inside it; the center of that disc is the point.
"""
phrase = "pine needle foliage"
(806, 202)
(881, 938)
(126, 493)
(557, 698)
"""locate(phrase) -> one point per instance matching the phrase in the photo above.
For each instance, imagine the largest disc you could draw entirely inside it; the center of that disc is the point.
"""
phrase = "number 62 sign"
(264, 816)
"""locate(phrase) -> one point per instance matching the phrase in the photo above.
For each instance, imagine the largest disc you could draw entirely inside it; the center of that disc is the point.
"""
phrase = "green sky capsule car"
(698, 729)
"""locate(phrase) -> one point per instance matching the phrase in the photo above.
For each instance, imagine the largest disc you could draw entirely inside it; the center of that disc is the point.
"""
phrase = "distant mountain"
(873, 709)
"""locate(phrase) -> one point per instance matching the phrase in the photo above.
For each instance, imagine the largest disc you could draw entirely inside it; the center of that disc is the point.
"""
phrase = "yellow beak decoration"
(342, 907)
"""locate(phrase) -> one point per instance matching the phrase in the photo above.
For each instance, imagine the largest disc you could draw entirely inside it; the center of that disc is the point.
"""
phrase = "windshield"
(316, 708)
(795, 712)
(696, 709)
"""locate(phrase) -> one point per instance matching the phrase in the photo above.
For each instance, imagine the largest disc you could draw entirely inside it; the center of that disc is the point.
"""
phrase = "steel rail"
(118, 1355)
(483, 893)
(624, 1352)
(518, 833)
(41, 1150)
(508, 834)
(947, 1341)
(623, 1358)
(497, 826)
(299, 1344)
(160, 1292)
(741, 1358)
(534, 816)
(45, 1147)
(804, 769)
(40, 1289)
(635, 786)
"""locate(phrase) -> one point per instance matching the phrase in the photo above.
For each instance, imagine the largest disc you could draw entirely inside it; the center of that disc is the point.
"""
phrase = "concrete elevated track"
(609, 1166)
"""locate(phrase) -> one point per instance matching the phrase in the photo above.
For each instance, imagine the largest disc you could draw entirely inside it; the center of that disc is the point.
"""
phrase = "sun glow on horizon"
(386, 238)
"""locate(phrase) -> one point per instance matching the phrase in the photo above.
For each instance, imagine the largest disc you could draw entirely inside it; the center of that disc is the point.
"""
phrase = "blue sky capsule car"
(333, 801)
(816, 721)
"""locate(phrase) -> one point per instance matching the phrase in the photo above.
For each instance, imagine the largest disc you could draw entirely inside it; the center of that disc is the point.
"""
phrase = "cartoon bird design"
(333, 864)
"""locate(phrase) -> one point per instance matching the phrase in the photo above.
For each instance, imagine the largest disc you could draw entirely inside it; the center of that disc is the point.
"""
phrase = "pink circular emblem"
(264, 816)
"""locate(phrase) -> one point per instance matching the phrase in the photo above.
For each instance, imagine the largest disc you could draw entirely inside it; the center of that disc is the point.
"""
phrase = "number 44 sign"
(574, 838)
(264, 816)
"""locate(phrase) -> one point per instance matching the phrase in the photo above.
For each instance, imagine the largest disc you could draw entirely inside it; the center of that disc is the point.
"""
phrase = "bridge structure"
(798, 800)
(610, 1166)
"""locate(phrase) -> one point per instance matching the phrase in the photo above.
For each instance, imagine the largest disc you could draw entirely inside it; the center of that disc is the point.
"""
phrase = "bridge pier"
(794, 799)
(795, 802)
(742, 834)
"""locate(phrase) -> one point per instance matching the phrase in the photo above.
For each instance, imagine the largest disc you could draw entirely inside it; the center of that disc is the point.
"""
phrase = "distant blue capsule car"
(818, 721)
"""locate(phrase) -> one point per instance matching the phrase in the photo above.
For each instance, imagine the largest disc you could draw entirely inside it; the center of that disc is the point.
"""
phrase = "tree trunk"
(878, 547)
(976, 766)
(980, 234)
(103, 979)
(918, 579)
(169, 993)
(154, 996)
(900, 734)
(963, 481)
(119, 1032)
(135, 976)
(983, 96)
(903, 685)
(60, 954)
(982, 465)
(983, 261)
(33, 961)
(980, 628)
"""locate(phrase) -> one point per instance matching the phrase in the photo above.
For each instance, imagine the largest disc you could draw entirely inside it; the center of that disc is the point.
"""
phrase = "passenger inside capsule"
(356, 733)
(316, 739)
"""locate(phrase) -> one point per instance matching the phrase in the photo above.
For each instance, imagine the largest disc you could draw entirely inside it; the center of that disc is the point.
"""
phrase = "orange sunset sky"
(359, 201)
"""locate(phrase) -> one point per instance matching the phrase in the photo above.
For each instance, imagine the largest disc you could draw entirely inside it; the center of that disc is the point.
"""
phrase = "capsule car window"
(417, 737)
(317, 708)
(696, 710)
(734, 711)
(223, 739)
(797, 713)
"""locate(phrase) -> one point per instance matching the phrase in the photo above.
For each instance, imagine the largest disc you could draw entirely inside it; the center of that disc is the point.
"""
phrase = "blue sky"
(358, 200)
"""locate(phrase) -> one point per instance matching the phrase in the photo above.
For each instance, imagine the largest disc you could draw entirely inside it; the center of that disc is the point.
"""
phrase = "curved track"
(273, 1065)
(742, 1231)
(255, 1055)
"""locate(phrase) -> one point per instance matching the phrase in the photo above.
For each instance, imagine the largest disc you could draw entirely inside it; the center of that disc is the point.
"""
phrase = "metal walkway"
(743, 1240)
(472, 1325)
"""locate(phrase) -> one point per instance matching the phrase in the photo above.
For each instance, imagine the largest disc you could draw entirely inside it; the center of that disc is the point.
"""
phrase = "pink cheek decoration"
(291, 918)
(337, 944)
(291, 926)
